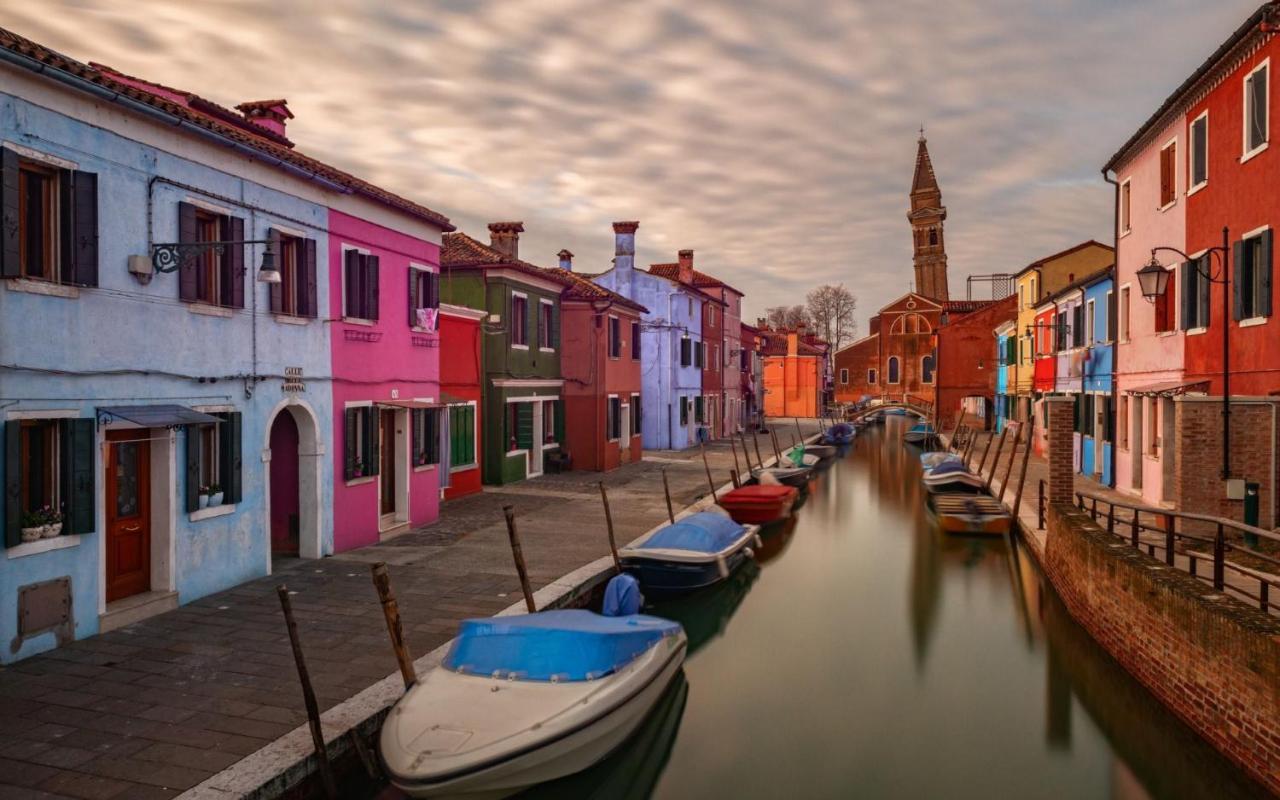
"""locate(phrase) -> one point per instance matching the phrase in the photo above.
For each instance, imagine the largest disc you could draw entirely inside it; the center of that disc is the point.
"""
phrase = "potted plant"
(215, 495)
(357, 470)
(52, 522)
(32, 526)
(204, 497)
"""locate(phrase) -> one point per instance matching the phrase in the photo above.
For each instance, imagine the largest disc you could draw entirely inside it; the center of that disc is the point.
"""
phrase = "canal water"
(866, 655)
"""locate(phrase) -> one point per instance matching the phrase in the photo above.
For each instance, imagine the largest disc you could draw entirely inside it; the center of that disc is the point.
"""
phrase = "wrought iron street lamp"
(1154, 279)
(170, 256)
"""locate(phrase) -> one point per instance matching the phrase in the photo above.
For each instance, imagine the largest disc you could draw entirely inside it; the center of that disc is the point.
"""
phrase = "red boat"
(759, 504)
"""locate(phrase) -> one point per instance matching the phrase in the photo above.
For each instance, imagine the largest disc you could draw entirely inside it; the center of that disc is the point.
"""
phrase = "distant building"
(461, 374)
(927, 216)
(793, 370)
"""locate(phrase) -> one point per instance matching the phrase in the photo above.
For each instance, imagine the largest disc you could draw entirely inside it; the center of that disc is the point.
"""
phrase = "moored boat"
(838, 434)
(919, 433)
(973, 514)
(759, 504)
(789, 476)
(695, 551)
(822, 452)
(933, 458)
(524, 699)
(952, 477)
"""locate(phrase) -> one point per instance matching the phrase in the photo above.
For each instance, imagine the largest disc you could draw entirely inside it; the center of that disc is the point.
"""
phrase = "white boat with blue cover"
(951, 477)
(919, 433)
(696, 551)
(524, 699)
(933, 458)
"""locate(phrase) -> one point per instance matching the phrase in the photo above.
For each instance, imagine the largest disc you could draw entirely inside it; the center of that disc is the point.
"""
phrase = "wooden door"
(624, 442)
(128, 506)
(387, 451)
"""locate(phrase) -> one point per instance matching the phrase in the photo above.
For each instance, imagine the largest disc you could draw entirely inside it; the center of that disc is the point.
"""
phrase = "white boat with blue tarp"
(933, 458)
(950, 477)
(694, 551)
(841, 433)
(524, 699)
(919, 433)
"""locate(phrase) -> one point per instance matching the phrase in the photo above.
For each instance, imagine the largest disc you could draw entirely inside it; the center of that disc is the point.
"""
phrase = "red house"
(1045, 375)
(460, 370)
(600, 363)
(966, 369)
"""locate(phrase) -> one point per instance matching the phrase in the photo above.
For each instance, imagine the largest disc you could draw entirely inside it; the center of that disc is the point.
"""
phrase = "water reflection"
(706, 614)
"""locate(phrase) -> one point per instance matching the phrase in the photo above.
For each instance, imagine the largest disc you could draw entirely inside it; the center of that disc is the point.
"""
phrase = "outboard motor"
(622, 596)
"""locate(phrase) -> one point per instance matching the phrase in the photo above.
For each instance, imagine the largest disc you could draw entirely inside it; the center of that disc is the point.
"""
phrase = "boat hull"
(661, 578)
(759, 512)
(970, 514)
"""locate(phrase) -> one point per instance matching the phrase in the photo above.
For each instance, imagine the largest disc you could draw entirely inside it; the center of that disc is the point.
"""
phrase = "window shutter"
(559, 421)
(371, 286)
(9, 252)
(66, 266)
(1237, 284)
(275, 292)
(193, 468)
(1264, 280)
(414, 299)
(352, 419)
(232, 465)
(434, 280)
(684, 411)
(555, 332)
(188, 270)
(233, 263)
(1203, 295)
(84, 224)
(78, 475)
(12, 479)
(1188, 270)
(524, 426)
(352, 285)
(310, 303)
(372, 444)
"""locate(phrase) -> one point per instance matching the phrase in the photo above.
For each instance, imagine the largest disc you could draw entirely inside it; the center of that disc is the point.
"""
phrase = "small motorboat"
(951, 477)
(970, 514)
(759, 504)
(696, 551)
(788, 476)
(799, 456)
(524, 699)
(919, 433)
(840, 433)
(822, 452)
(894, 412)
(933, 458)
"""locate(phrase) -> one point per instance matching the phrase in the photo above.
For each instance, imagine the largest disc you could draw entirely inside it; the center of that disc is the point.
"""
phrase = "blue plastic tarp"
(947, 468)
(567, 645)
(840, 429)
(622, 596)
(704, 532)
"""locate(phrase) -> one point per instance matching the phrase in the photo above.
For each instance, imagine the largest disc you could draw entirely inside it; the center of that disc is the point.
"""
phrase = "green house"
(522, 411)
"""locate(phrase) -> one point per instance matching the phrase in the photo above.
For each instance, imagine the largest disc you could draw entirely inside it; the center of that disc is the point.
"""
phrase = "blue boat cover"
(565, 645)
(622, 596)
(933, 459)
(947, 468)
(840, 429)
(921, 427)
(704, 532)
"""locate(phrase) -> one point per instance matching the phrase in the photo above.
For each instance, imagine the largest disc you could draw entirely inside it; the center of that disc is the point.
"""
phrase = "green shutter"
(350, 421)
(232, 466)
(1202, 280)
(1188, 269)
(193, 468)
(372, 442)
(1263, 306)
(555, 328)
(79, 473)
(684, 411)
(559, 421)
(12, 482)
(414, 300)
(524, 426)
(469, 435)
(9, 250)
(1237, 281)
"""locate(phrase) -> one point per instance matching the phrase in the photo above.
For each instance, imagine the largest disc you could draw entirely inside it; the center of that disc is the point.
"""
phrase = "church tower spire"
(926, 216)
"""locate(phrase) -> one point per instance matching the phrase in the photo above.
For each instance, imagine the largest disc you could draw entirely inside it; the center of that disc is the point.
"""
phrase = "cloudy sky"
(776, 138)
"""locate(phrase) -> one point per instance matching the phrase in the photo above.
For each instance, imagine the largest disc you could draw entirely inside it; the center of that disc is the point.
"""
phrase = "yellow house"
(1035, 282)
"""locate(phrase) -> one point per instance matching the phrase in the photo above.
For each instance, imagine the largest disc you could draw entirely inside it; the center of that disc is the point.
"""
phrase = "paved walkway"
(159, 706)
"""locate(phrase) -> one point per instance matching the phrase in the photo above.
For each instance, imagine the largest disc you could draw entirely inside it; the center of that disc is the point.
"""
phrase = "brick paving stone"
(167, 776)
(23, 773)
(86, 787)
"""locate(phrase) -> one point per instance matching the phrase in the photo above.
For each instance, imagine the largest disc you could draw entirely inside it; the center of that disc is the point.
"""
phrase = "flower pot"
(53, 530)
(203, 502)
(32, 534)
(215, 499)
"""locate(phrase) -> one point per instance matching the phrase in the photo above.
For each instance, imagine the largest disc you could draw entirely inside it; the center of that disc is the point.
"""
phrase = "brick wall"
(1214, 661)
(1060, 415)
(1197, 456)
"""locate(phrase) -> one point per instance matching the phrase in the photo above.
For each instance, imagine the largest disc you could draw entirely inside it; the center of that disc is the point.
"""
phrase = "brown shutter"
(85, 228)
(413, 296)
(371, 287)
(9, 251)
(351, 305)
(275, 291)
(233, 263)
(310, 305)
(188, 270)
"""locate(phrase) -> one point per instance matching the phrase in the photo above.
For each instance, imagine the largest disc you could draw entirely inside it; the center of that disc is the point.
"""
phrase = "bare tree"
(830, 308)
(787, 317)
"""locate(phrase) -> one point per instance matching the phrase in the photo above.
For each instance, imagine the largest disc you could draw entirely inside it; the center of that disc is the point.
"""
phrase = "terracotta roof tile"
(700, 279)
(210, 116)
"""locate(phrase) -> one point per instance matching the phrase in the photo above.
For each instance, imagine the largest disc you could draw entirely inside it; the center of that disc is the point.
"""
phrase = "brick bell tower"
(926, 216)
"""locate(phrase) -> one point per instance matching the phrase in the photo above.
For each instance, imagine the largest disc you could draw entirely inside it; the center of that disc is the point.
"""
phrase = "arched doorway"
(286, 511)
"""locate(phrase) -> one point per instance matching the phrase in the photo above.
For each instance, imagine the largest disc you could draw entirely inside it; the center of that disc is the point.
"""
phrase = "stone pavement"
(155, 708)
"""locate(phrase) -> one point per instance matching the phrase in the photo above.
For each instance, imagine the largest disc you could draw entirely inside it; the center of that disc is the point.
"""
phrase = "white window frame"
(844, 376)
(542, 301)
(342, 279)
(1256, 319)
(871, 376)
(1246, 153)
(1126, 206)
(1192, 187)
(515, 294)
(889, 373)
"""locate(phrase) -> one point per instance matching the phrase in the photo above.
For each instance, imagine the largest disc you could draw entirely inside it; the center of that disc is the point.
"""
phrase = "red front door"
(128, 501)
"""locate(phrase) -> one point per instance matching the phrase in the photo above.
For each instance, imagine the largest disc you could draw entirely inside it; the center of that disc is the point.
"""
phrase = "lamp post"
(1154, 280)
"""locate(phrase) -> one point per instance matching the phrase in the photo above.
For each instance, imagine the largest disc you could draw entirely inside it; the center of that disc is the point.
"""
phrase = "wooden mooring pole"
(1013, 456)
(777, 452)
(798, 430)
(733, 476)
(391, 611)
(734, 447)
(308, 695)
(995, 461)
(518, 554)
(755, 438)
(1022, 473)
(608, 524)
(666, 490)
(711, 483)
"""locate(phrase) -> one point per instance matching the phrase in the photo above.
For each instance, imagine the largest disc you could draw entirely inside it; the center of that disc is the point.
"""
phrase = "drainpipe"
(1113, 312)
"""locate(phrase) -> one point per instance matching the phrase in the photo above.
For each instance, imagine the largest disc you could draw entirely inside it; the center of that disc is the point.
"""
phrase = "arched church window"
(894, 368)
(926, 369)
(933, 236)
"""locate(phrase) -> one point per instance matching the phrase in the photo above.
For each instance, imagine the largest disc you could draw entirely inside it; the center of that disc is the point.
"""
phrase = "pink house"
(1149, 339)
(390, 429)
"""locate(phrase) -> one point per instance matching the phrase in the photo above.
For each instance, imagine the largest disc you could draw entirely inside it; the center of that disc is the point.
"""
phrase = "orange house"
(792, 370)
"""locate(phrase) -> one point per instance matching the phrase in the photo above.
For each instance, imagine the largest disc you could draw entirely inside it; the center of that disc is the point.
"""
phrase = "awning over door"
(155, 416)
(1169, 388)
(406, 404)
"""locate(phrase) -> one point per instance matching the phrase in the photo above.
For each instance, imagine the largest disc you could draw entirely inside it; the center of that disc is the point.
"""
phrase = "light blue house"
(1097, 438)
(174, 419)
(1006, 358)
(671, 338)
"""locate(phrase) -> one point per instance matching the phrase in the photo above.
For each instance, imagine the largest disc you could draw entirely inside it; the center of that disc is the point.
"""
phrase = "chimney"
(686, 266)
(624, 255)
(762, 323)
(269, 115)
(566, 260)
(505, 238)
(793, 344)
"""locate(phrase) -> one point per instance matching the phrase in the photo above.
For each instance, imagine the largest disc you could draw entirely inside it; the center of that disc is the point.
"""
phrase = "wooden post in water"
(734, 447)
(733, 476)
(608, 523)
(1022, 473)
(711, 483)
(666, 490)
(999, 447)
(777, 452)
(308, 695)
(518, 554)
(1013, 456)
(391, 611)
(755, 438)
(798, 430)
